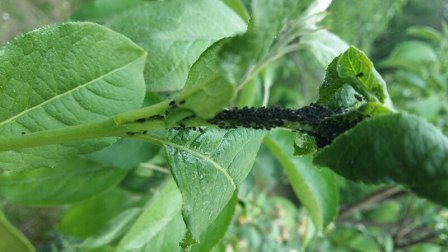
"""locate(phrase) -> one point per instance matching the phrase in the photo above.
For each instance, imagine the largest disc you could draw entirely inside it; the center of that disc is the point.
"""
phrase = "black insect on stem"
(360, 74)
(318, 121)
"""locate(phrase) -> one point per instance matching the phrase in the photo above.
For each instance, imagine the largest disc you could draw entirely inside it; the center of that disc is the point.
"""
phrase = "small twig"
(369, 201)
(155, 168)
(423, 239)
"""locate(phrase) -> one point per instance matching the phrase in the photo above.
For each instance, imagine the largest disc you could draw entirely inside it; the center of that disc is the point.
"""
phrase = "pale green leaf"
(206, 91)
(243, 52)
(160, 227)
(315, 188)
(65, 75)
(175, 33)
(100, 10)
(11, 239)
(114, 228)
(218, 228)
(324, 45)
(394, 148)
(425, 32)
(207, 168)
(49, 186)
(411, 55)
(238, 7)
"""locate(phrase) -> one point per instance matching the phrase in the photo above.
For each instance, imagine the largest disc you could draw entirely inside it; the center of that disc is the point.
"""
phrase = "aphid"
(172, 103)
(201, 130)
(182, 102)
(360, 74)
(130, 133)
(181, 125)
(358, 97)
(157, 117)
(141, 120)
(23, 133)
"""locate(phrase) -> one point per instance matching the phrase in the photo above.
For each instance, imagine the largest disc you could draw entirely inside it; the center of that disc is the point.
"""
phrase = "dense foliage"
(181, 125)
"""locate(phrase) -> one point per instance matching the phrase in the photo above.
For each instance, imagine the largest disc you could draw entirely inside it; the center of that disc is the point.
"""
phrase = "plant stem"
(106, 128)
(369, 201)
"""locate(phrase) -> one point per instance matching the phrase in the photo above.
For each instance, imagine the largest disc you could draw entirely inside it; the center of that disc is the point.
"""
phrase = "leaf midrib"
(197, 154)
(70, 91)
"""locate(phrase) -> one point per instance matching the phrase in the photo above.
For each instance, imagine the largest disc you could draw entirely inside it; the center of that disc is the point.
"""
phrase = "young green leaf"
(65, 75)
(175, 33)
(11, 239)
(73, 182)
(316, 189)
(398, 148)
(207, 168)
(350, 77)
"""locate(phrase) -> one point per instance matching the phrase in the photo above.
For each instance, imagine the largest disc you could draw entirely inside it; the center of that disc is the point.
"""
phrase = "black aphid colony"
(318, 121)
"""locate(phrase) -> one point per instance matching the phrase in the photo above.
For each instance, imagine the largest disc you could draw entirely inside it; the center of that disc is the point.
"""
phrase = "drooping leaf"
(175, 33)
(394, 148)
(11, 239)
(243, 52)
(65, 75)
(207, 168)
(87, 217)
(324, 45)
(160, 227)
(51, 186)
(316, 189)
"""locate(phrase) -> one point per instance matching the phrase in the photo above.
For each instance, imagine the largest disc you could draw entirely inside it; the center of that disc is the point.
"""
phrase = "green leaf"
(412, 55)
(425, 32)
(218, 228)
(114, 228)
(207, 168)
(324, 45)
(398, 148)
(238, 7)
(175, 33)
(125, 153)
(206, 91)
(355, 68)
(11, 239)
(89, 216)
(160, 227)
(243, 52)
(100, 10)
(316, 188)
(65, 75)
(53, 186)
